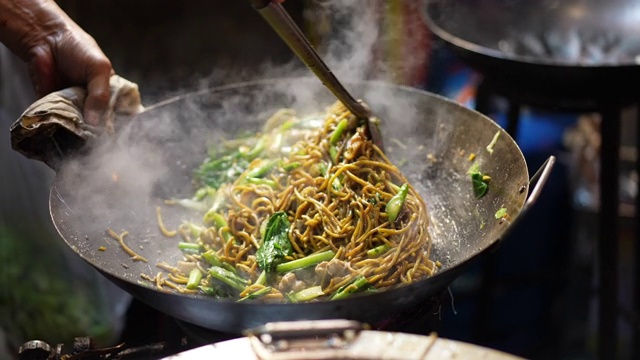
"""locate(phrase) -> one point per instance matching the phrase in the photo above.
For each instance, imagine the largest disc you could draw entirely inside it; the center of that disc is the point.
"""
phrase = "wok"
(119, 183)
(574, 47)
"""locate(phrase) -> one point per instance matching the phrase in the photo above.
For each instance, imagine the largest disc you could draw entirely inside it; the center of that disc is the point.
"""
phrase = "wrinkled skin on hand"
(57, 51)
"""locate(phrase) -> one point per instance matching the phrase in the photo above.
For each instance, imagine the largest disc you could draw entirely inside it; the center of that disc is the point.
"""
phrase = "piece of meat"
(290, 283)
(338, 268)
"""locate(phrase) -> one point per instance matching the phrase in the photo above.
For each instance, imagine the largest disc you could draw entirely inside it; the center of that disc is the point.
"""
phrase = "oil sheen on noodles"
(307, 210)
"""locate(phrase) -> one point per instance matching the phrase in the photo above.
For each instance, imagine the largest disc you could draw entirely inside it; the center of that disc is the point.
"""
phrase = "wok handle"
(538, 179)
(278, 18)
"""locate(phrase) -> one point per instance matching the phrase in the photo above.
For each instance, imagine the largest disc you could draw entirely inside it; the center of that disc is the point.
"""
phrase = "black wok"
(118, 185)
(572, 47)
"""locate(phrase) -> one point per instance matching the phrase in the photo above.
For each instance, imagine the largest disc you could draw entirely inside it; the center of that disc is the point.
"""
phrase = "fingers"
(42, 72)
(98, 91)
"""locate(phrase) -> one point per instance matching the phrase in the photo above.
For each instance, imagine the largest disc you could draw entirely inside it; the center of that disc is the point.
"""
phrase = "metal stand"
(610, 107)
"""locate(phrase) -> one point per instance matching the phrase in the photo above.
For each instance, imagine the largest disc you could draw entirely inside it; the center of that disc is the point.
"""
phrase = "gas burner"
(86, 349)
(177, 336)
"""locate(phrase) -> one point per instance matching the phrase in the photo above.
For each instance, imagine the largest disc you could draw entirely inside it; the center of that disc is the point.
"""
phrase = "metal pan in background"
(571, 47)
(120, 182)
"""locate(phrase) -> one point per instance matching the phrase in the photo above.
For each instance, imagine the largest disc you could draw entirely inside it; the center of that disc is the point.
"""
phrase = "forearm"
(25, 24)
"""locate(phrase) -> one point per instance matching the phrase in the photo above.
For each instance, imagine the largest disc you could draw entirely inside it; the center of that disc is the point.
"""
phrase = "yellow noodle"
(163, 229)
(120, 239)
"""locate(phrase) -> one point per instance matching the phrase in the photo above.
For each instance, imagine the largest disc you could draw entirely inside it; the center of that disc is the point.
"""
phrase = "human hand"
(57, 51)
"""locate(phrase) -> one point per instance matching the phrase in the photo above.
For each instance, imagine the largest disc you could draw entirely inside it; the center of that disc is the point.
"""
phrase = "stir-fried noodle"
(309, 210)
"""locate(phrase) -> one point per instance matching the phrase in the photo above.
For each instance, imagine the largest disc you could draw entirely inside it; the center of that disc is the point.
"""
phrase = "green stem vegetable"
(260, 181)
(190, 248)
(359, 283)
(333, 154)
(227, 277)
(290, 166)
(208, 290)
(395, 204)
(337, 132)
(194, 279)
(195, 229)
(256, 294)
(307, 294)
(262, 170)
(212, 258)
(378, 250)
(257, 149)
(306, 261)
(262, 278)
(212, 217)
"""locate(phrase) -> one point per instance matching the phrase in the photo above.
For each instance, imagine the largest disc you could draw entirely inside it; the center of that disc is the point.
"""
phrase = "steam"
(152, 157)
(354, 29)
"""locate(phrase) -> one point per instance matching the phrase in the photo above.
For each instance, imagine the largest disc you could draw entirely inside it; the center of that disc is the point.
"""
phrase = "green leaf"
(216, 171)
(480, 186)
(276, 245)
(479, 181)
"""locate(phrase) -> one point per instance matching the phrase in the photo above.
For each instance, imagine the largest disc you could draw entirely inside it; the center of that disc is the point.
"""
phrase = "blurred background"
(536, 296)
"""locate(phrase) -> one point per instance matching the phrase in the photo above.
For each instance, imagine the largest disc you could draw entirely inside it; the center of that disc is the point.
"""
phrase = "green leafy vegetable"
(221, 170)
(276, 244)
(479, 181)
(480, 187)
